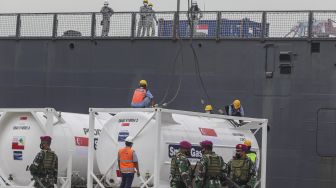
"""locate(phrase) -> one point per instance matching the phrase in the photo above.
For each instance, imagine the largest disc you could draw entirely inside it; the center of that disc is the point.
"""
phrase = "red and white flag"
(82, 141)
(202, 28)
(208, 132)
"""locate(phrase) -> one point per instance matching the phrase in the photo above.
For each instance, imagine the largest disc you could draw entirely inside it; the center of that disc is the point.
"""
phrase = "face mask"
(238, 155)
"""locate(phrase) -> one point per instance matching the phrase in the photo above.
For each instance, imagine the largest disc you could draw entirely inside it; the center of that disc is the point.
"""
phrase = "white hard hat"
(194, 3)
(129, 139)
(106, 3)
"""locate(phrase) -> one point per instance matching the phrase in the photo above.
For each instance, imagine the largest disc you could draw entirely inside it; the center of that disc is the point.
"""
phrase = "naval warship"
(280, 64)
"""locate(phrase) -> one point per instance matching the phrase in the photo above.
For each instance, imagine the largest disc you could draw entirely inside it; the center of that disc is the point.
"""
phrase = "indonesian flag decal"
(202, 28)
(18, 143)
(208, 132)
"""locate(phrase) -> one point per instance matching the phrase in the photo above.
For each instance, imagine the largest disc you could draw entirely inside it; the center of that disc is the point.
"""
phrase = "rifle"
(38, 181)
(231, 182)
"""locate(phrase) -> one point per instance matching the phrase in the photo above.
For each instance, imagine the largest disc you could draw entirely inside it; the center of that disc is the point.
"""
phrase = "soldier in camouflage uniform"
(107, 13)
(241, 168)
(151, 18)
(180, 169)
(210, 168)
(143, 22)
(45, 165)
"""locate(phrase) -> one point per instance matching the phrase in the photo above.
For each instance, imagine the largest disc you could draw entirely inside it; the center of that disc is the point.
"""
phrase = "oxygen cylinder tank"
(20, 142)
(174, 128)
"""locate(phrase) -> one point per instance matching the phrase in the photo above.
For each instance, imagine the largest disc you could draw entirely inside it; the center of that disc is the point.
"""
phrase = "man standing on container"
(210, 168)
(241, 169)
(128, 163)
(142, 97)
(142, 24)
(106, 13)
(180, 169)
(236, 109)
(194, 15)
(208, 109)
(151, 18)
(45, 165)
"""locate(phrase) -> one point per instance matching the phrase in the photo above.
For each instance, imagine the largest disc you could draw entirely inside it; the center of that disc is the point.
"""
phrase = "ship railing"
(213, 25)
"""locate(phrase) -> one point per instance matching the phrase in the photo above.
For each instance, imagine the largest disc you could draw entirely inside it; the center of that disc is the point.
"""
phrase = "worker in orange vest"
(128, 163)
(142, 97)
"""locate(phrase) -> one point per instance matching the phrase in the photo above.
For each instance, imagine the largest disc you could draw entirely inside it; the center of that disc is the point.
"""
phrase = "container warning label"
(123, 135)
(17, 155)
(18, 143)
(195, 152)
(208, 132)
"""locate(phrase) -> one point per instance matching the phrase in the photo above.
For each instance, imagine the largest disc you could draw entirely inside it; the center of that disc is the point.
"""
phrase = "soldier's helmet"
(45, 139)
(185, 144)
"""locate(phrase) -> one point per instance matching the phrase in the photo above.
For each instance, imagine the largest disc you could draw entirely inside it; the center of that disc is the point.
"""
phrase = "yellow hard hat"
(150, 4)
(143, 82)
(208, 108)
(145, 1)
(236, 104)
(248, 143)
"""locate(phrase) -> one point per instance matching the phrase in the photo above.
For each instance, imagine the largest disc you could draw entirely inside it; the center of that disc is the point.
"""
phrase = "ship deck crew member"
(150, 22)
(142, 24)
(107, 13)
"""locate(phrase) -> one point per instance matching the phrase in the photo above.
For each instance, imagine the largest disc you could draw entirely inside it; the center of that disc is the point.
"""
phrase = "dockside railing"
(247, 25)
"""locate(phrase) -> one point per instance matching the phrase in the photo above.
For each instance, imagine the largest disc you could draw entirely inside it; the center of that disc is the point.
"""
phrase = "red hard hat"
(45, 139)
(241, 147)
(185, 144)
(206, 143)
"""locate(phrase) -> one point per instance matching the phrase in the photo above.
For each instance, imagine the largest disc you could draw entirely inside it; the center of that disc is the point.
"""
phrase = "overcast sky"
(14, 6)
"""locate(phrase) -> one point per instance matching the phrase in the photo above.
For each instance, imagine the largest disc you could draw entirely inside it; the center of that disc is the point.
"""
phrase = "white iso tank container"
(175, 128)
(20, 140)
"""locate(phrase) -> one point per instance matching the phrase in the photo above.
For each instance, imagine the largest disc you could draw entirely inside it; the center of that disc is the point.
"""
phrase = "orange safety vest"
(126, 160)
(139, 95)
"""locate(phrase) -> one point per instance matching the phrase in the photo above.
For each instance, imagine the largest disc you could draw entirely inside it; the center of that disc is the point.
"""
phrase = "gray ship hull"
(296, 91)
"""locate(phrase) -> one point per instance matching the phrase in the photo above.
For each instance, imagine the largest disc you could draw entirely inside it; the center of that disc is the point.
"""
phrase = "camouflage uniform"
(210, 171)
(142, 24)
(151, 18)
(107, 13)
(44, 169)
(241, 171)
(180, 172)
